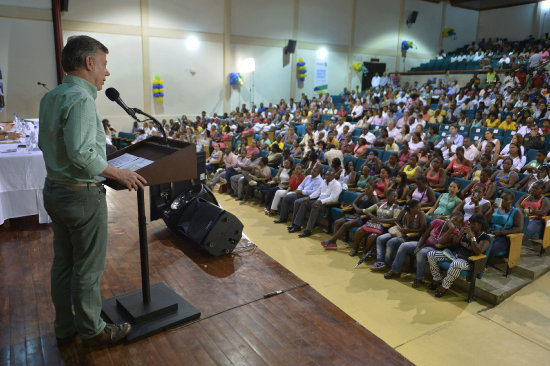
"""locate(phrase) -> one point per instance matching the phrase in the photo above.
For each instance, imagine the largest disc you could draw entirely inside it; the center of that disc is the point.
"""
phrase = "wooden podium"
(153, 308)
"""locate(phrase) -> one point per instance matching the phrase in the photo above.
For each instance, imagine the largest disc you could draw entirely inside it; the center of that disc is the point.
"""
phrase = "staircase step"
(494, 287)
(531, 265)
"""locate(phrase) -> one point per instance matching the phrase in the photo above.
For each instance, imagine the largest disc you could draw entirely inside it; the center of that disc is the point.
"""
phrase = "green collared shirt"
(71, 134)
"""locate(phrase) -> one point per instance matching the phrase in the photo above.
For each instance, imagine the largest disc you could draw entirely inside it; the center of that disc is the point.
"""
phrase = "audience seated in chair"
(446, 202)
(353, 216)
(308, 186)
(440, 233)
(504, 219)
(409, 222)
(489, 188)
(386, 212)
(506, 177)
(536, 206)
(474, 204)
(423, 193)
(472, 240)
(230, 161)
(327, 193)
(296, 178)
(541, 174)
(238, 181)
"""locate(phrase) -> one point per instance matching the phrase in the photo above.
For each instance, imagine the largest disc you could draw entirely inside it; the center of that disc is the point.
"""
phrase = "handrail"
(433, 72)
(470, 71)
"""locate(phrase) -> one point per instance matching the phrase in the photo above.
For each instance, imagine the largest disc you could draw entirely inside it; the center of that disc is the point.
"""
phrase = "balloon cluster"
(405, 45)
(449, 32)
(235, 78)
(359, 67)
(301, 68)
(158, 89)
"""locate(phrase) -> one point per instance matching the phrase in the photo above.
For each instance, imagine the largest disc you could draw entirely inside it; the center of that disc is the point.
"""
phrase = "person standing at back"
(72, 139)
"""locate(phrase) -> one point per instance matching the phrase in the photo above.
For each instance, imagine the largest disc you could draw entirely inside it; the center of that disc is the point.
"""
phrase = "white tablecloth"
(22, 176)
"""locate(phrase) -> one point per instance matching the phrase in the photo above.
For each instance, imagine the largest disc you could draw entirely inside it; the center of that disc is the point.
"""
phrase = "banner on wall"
(321, 76)
(2, 105)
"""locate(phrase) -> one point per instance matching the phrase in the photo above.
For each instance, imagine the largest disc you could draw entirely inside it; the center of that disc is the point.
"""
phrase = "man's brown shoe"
(111, 334)
(66, 340)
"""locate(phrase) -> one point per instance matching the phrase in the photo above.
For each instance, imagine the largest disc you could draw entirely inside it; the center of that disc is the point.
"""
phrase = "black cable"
(265, 296)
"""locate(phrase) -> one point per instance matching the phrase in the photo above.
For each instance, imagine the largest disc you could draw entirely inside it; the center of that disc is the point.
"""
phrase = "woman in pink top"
(361, 148)
(250, 149)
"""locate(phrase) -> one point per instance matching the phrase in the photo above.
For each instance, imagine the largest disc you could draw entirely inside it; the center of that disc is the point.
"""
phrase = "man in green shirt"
(72, 139)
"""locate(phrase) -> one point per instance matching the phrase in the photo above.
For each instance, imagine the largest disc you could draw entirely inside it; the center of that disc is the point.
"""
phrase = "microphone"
(42, 84)
(114, 95)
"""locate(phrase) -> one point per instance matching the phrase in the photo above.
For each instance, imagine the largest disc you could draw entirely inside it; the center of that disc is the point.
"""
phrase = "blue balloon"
(161, 94)
(303, 71)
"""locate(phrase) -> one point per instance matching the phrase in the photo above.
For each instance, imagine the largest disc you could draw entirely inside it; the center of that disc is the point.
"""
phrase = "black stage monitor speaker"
(64, 5)
(412, 17)
(291, 46)
(211, 227)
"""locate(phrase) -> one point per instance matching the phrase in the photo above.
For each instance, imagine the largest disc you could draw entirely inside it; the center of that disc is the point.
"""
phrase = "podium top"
(172, 162)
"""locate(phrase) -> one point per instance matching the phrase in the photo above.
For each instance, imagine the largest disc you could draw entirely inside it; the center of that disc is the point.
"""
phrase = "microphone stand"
(155, 121)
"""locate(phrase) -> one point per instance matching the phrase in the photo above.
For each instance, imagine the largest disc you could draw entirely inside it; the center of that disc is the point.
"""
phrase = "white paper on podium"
(129, 161)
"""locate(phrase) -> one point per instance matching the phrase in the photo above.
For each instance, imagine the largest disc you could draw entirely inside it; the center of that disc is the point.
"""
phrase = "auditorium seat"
(478, 265)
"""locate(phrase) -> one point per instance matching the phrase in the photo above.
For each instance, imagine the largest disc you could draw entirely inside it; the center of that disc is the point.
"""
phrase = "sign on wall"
(321, 76)
(1, 93)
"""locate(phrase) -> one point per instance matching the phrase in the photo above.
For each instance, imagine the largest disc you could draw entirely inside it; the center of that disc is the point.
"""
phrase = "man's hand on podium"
(130, 179)
(126, 177)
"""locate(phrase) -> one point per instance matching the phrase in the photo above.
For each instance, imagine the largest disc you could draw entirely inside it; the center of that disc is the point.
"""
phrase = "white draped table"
(22, 176)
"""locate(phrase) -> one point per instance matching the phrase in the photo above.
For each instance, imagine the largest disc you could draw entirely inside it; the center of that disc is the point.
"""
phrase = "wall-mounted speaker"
(412, 17)
(64, 5)
(291, 46)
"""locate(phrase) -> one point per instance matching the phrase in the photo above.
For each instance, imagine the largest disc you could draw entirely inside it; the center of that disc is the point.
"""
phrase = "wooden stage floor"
(298, 327)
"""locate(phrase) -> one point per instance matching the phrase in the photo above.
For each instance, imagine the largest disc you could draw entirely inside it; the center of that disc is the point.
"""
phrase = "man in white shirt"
(357, 111)
(449, 144)
(327, 193)
(149, 129)
(309, 186)
(535, 60)
(526, 128)
(368, 136)
(320, 133)
(470, 151)
(362, 123)
(375, 82)
(418, 121)
(504, 61)
(308, 135)
(341, 124)
(384, 80)
(291, 106)
(392, 130)
(269, 126)
(478, 56)
(258, 127)
(334, 153)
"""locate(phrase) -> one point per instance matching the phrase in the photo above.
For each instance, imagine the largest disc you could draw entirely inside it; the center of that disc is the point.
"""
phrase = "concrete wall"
(147, 37)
